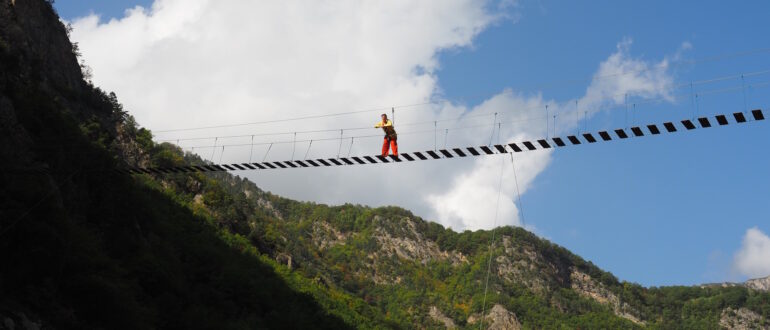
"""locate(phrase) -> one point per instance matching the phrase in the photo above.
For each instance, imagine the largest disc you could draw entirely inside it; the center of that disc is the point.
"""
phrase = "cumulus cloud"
(753, 259)
(202, 62)
(469, 201)
(621, 75)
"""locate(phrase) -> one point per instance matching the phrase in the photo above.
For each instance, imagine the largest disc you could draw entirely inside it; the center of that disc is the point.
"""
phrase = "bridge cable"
(308, 149)
(268, 151)
(491, 242)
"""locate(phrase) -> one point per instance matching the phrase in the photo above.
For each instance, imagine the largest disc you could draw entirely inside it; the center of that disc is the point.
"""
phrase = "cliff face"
(33, 29)
(84, 247)
(761, 284)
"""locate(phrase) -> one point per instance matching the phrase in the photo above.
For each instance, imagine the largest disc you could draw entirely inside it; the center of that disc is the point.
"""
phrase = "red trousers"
(389, 143)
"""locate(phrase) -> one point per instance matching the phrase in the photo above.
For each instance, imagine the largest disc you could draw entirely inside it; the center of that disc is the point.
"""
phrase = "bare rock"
(742, 319)
(437, 315)
(584, 285)
(411, 245)
(498, 318)
(759, 284)
(325, 236)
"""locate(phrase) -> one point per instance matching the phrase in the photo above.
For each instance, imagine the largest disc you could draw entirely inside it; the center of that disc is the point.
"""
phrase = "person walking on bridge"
(390, 140)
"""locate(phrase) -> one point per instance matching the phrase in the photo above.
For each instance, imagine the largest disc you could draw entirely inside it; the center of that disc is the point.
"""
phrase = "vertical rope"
(554, 124)
(493, 130)
(351, 146)
(446, 134)
(625, 103)
(293, 146)
(213, 150)
(697, 106)
(222, 154)
(308, 148)
(520, 208)
(340, 148)
(268, 151)
(743, 88)
(692, 101)
(491, 242)
(251, 151)
(499, 129)
(577, 116)
(546, 121)
(518, 194)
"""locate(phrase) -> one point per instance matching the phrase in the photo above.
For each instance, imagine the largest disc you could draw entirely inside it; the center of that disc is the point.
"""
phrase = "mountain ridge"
(759, 284)
(92, 248)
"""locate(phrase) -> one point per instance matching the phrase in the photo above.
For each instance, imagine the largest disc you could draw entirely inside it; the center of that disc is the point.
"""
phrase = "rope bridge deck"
(524, 146)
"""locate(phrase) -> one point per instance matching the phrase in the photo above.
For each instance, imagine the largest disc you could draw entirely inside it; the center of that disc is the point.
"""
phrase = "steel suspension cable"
(708, 59)
(491, 242)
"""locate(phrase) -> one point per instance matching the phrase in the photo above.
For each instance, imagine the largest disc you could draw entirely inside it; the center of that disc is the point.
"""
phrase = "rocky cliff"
(90, 248)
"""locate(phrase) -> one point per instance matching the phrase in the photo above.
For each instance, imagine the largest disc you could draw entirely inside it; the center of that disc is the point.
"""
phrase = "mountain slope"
(82, 247)
(87, 247)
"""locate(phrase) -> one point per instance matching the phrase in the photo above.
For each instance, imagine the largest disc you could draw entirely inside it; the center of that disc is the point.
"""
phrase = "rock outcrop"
(437, 315)
(409, 243)
(759, 284)
(584, 285)
(742, 319)
(498, 318)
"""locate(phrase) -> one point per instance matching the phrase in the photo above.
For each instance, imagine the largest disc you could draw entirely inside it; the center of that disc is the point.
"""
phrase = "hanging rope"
(351, 146)
(743, 88)
(692, 100)
(222, 154)
(518, 194)
(625, 104)
(251, 151)
(493, 130)
(308, 148)
(499, 129)
(546, 121)
(491, 242)
(554, 124)
(340, 148)
(577, 116)
(446, 135)
(268, 151)
(213, 149)
(697, 106)
(435, 136)
(294, 145)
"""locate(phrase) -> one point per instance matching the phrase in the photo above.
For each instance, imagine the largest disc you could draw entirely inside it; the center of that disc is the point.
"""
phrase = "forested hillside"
(85, 247)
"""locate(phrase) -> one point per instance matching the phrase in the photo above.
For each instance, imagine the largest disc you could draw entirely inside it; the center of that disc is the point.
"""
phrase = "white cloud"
(203, 62)
(622, 75)
(753, 259)
(469, 203)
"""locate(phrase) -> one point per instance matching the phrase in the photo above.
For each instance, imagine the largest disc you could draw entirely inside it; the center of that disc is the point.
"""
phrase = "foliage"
(91, 248)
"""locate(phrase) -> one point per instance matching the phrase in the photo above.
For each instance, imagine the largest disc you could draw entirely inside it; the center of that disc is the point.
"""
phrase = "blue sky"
(657, 211)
